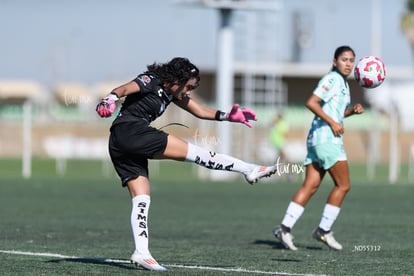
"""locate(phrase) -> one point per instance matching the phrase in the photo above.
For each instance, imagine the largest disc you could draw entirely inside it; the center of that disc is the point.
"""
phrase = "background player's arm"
(356, 109)
(314, 105)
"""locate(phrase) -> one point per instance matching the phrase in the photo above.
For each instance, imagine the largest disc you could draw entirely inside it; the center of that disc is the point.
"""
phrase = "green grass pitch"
(78, 224)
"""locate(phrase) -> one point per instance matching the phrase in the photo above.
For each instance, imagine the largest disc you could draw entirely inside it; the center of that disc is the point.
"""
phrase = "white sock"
(139, 222)
(293, 213)
(216, 161)
(329, 215)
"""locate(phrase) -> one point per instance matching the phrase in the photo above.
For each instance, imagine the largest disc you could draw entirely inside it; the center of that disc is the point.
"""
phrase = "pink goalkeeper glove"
(107, 105)
(242, 115)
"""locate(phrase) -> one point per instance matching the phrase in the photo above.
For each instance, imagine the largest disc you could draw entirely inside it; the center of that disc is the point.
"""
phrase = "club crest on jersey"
(325, 87)
(145, 79)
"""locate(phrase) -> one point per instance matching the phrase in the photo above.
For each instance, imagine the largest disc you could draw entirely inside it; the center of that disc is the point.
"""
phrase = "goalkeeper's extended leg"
(217, 161)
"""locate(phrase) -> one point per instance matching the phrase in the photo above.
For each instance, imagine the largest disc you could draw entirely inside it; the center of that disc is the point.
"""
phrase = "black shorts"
(131, 144)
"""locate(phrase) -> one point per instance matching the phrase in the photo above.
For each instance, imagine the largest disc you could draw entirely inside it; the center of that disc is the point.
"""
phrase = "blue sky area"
(101, 40)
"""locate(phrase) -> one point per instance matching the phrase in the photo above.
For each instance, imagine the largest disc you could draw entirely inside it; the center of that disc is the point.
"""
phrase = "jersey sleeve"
(325, 89)
(147, 83)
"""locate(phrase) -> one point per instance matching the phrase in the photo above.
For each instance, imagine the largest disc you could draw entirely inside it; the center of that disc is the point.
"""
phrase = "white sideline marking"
(242, 270)
(105, 260)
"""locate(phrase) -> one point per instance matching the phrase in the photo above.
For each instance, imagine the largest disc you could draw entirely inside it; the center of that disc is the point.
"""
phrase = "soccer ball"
(370, 72)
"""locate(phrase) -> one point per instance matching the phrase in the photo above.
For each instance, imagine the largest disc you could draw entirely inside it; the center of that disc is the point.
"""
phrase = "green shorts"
(326, 155)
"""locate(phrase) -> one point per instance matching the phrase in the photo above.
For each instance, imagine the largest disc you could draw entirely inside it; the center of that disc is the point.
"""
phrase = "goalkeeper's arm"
(107, 105)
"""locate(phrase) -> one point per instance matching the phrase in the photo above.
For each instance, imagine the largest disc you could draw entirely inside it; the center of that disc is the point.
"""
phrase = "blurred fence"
(63, 114)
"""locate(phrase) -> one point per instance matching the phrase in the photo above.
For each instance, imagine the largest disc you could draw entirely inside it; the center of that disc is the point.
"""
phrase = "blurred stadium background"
(58, 59)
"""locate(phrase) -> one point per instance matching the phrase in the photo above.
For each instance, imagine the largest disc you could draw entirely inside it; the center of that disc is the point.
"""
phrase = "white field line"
(105, 260)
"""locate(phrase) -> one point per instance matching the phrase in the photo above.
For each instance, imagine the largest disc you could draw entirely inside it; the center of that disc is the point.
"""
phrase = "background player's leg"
(340, 175)
(314, 176)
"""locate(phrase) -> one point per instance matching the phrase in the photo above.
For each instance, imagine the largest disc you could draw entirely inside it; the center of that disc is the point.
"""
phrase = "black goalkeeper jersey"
(147, 104)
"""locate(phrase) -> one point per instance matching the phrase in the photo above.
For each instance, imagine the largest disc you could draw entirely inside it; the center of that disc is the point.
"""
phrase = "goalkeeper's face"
(184, 91)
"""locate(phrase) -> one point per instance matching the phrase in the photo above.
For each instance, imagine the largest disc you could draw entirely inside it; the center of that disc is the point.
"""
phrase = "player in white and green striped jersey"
(333, 90)
(330, 102)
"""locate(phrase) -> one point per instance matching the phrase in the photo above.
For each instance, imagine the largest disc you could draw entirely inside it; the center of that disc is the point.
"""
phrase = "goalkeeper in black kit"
(133, 140)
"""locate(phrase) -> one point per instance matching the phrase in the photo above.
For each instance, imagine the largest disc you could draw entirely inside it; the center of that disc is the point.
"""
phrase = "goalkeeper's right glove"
(107, 105)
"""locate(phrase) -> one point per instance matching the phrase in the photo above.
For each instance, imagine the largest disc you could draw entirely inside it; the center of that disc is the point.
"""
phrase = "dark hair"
(339, 52)
(178, 70)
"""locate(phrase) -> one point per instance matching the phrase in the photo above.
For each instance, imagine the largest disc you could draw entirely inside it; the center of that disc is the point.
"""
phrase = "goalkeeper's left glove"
(107, 105)
(241, 115)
